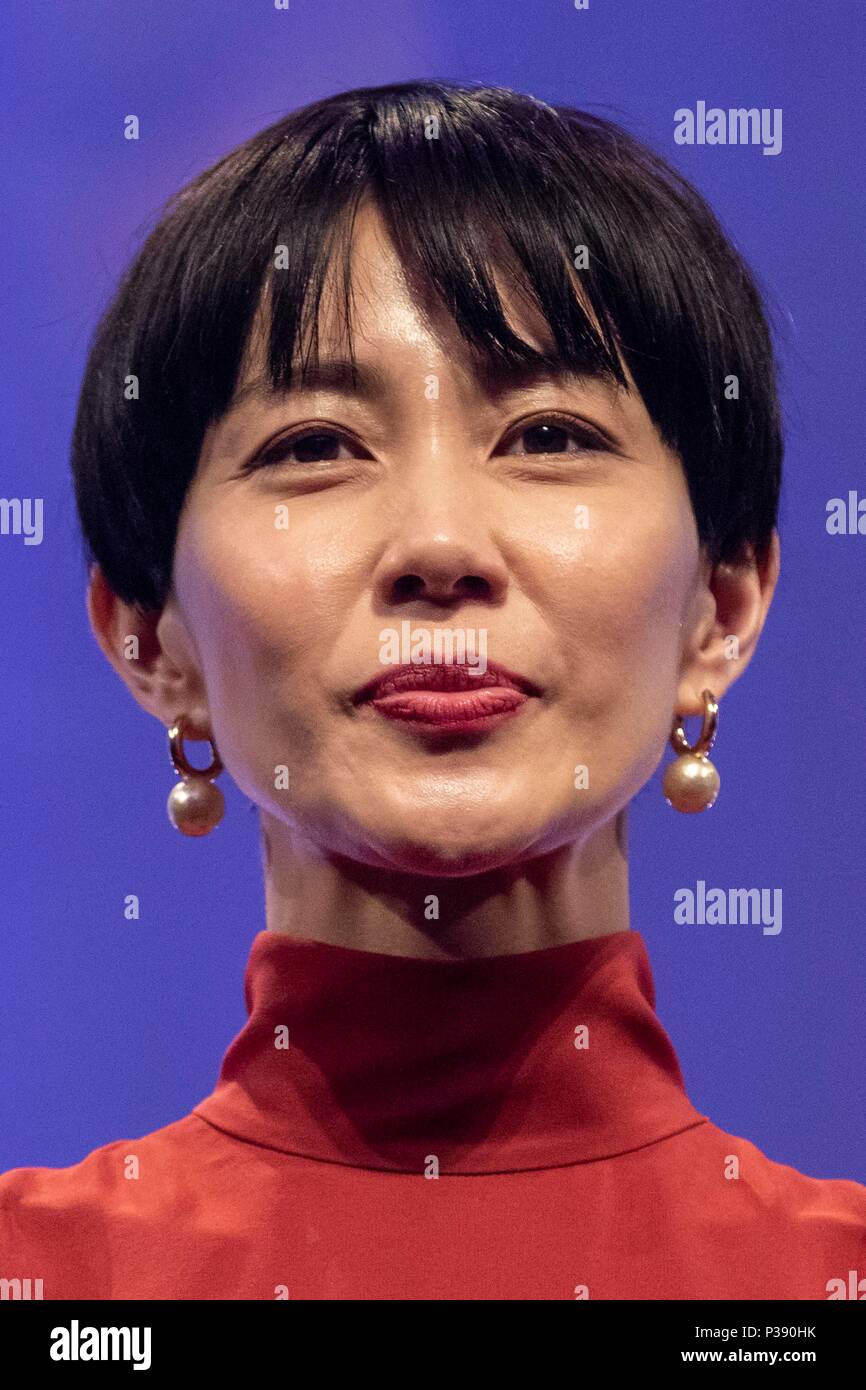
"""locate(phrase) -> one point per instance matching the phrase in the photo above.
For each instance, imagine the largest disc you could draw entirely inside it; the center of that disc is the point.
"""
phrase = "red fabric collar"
(398, 1063)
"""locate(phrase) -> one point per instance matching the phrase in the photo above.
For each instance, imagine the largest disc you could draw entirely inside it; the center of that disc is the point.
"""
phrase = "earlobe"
(119, 628)
(132, 641)
(100, 600)
(742, 595)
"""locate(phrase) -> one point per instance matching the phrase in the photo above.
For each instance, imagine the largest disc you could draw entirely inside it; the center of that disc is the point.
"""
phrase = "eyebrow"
(366, 381)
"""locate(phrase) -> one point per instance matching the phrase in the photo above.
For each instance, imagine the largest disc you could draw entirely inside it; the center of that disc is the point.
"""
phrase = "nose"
(442, 550)
(441, 564)
(440, 570)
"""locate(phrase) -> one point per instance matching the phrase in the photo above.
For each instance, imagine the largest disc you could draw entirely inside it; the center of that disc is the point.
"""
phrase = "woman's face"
(567, 554)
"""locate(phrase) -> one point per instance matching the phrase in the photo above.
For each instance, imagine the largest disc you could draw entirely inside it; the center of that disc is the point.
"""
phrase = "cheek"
(639, 575)
(615, 593)
(257, 602)
(271, 608)
(268, 589)
(263, 613)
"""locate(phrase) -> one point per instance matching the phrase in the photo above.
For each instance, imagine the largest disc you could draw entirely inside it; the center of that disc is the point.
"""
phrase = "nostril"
(474, 584)
(408, 586)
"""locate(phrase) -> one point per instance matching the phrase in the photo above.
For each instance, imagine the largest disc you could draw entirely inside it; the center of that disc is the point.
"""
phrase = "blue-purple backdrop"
(112, 1028)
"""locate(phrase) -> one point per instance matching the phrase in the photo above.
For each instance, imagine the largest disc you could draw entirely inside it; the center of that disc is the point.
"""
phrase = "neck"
(570, 893)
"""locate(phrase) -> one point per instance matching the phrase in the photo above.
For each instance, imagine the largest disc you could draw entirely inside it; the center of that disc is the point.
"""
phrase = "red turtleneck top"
(512, 1127)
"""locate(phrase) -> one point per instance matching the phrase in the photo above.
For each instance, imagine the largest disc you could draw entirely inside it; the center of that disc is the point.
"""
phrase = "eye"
(551, 435)
(319, 444)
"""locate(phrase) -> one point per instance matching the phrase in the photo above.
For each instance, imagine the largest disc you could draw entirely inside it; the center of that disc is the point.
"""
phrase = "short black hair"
(462, 176)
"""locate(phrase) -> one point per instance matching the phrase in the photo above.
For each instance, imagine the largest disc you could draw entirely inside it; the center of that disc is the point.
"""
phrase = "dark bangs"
(467, 180)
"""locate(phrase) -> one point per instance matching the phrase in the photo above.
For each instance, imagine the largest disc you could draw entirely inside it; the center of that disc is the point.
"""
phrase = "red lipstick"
(449, 697)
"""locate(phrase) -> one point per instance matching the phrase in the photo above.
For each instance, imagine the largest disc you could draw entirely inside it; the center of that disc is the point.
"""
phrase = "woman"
(441, 673)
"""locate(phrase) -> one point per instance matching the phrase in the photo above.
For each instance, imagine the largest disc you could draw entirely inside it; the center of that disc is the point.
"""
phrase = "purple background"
(111, 1028)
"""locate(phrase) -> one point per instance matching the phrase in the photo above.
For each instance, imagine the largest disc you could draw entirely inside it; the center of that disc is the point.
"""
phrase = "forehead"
(390, 310)
(385, 291)
(387, 303)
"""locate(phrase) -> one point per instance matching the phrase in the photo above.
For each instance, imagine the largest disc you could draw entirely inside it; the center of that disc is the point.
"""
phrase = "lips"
(449, 696)
(446, 676)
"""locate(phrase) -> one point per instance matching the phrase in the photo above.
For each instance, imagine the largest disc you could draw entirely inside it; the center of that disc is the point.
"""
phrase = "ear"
(733, 603)
(153, 653)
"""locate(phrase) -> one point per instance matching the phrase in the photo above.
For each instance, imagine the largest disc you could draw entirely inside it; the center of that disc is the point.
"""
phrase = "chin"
(432, 862)
(448, 855)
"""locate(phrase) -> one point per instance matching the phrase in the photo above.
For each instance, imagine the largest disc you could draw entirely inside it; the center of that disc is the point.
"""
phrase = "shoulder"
(44, 1211)
(814, 1209)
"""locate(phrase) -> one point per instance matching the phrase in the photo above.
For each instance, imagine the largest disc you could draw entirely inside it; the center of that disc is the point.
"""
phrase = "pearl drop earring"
(691, 782)
(195, 804)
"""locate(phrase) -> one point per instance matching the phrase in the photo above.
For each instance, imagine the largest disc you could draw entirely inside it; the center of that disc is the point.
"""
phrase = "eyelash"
(590, 439)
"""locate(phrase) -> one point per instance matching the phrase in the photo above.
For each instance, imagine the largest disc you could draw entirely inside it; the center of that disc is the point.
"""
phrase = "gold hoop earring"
(195, 804)
(691, 782)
